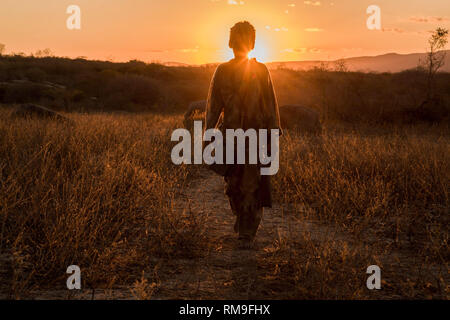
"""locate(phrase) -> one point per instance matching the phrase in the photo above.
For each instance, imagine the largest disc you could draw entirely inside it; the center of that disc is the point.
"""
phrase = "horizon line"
(31, 55)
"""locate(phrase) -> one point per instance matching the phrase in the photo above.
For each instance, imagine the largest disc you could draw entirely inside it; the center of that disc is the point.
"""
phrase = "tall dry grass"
(98, 194)
(101, 194)
(384, 194)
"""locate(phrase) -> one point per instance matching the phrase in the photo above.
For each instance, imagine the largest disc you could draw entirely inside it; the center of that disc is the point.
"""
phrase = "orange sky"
(196, 31)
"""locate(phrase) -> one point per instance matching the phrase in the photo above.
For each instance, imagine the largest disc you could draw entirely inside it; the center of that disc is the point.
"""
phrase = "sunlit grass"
(101, 193)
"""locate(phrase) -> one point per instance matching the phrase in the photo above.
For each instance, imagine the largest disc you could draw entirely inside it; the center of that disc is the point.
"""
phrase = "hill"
(390, 62)
(78, 85)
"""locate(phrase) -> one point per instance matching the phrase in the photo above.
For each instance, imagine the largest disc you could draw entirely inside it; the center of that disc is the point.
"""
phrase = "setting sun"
(260, 52)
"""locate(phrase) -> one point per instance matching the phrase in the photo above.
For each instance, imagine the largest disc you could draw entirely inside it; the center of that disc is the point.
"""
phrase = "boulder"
(196, 107)
(30, 110)
(300, 117)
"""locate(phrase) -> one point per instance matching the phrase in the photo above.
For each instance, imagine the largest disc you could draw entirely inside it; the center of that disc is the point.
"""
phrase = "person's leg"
(236, 214)
(248, 226)
(245, 226)
(256, 220)
(242, 185)
(232, 190)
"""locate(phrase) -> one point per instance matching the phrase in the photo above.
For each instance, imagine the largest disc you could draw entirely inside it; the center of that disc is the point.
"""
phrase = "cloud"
(235, 2)
(312, 3)
(277, 29)
(313, 29)
(314, 50)
(302, 50)
(182, 50)
(428, 19)
(403, 31)
(292, 5)
(189, 50)
(395, 30)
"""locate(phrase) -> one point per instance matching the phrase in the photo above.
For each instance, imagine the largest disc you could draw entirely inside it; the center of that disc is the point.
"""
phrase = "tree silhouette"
(43, 53)
(435, 58)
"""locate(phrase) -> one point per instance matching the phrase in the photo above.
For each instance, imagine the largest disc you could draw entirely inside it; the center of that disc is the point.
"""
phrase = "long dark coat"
(241, 96)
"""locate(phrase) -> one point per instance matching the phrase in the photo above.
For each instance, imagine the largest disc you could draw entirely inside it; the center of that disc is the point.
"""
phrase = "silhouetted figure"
(241, 96)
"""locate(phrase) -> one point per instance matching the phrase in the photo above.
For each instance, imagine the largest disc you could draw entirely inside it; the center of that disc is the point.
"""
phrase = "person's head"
(242, 38)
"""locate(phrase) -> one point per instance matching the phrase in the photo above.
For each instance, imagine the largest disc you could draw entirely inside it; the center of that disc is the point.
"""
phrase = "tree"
(2, 48)
(43, 53)
(340, 66)
(435, 58)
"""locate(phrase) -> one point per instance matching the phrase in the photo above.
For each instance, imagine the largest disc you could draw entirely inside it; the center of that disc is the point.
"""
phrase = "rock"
(36, 111)
(300, 117)
(194, 107)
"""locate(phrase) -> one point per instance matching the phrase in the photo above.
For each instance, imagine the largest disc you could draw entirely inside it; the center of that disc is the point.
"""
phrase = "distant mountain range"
(390, 62)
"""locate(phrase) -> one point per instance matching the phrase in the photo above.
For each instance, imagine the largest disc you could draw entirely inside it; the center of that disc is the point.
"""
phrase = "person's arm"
(274, 122)
(214, 105)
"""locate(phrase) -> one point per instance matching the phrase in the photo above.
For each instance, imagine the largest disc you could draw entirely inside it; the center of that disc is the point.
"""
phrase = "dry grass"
(100, 194)
(387, 191)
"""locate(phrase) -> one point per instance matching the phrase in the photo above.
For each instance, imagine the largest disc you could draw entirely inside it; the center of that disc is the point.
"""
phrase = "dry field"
(103, 194)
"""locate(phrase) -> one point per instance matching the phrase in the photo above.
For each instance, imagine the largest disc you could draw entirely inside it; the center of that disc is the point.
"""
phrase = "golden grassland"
(385, 194)
(97, 194)
(100, 194)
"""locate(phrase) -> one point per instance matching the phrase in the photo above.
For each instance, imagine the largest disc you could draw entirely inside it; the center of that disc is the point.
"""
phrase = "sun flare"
(260, 52)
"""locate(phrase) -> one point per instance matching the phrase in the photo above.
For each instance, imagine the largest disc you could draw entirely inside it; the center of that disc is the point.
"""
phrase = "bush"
(134, 92)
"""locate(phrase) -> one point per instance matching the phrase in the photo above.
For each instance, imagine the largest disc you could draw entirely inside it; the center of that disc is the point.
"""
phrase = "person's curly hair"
(242, 36)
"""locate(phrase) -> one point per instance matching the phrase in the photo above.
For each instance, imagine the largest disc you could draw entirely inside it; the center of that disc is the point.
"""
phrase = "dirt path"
(227, 272)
